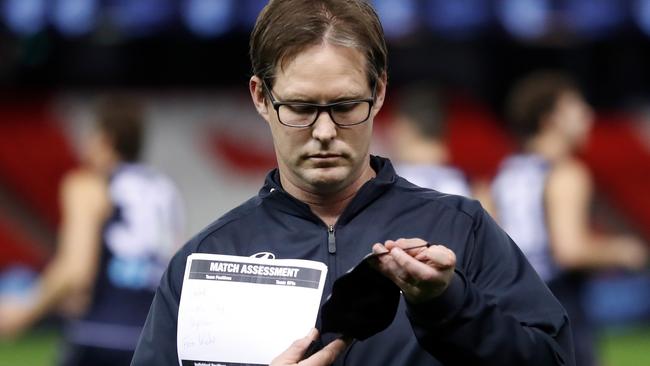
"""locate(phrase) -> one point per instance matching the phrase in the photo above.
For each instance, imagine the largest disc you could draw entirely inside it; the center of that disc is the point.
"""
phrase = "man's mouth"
(325, 159)
(325, 156)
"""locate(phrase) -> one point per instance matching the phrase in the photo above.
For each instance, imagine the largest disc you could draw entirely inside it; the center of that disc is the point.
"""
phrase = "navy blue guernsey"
(496, 310)
(519, 192)
(138, 240)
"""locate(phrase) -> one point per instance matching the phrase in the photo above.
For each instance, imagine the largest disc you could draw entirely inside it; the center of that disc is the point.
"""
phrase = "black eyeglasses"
(300, 114)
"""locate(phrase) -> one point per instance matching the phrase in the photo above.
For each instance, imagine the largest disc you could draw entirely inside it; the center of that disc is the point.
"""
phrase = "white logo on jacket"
(263, 255)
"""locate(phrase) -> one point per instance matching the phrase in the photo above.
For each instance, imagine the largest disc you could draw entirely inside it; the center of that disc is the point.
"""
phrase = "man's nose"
(324, 128)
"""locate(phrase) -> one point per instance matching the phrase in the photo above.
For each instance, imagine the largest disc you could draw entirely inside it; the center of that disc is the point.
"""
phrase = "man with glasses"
(319, 79)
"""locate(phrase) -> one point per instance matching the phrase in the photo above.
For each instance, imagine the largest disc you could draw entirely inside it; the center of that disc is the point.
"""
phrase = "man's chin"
(327, 179)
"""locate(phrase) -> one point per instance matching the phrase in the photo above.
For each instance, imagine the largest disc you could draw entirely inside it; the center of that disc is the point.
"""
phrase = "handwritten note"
(245, 311)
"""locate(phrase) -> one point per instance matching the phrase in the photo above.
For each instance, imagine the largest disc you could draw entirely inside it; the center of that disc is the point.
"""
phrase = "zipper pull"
(331, 240)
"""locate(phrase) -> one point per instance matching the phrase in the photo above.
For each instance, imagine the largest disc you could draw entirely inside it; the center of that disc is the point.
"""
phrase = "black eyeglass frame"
(320, 107)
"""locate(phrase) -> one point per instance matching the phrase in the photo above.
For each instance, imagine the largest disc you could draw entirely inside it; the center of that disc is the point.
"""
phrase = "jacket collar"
(273, 193)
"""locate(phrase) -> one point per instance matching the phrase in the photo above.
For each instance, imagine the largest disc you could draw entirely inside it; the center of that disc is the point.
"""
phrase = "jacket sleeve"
(496, 310)
(157, 344)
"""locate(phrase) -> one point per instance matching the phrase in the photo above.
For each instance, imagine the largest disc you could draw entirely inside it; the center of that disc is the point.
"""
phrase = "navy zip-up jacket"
(496, 310)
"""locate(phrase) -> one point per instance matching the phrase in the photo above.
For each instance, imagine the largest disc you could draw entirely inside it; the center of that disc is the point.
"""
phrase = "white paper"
(243, 310)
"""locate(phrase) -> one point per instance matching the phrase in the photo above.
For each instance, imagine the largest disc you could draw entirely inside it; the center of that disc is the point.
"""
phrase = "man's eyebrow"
(305, 99)
(349, 97)
(297, 99)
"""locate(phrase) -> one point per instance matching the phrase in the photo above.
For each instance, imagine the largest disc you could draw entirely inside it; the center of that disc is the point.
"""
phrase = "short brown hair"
(533, 98)
(423, 106)
(121, 119)
(285, 28)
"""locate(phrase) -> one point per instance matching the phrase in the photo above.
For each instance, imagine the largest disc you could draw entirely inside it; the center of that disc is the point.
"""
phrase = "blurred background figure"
(418, 141)
(543, 195)
(121, 222)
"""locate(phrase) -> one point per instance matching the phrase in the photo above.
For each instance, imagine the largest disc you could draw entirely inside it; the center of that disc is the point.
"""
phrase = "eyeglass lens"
(345, 113)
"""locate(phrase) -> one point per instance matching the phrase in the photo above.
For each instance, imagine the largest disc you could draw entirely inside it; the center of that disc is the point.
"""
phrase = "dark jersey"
(520, 196)
(140, 236)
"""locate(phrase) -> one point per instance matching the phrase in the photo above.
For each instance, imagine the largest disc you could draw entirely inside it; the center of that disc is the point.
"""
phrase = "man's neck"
(552, 148)
(328, 206)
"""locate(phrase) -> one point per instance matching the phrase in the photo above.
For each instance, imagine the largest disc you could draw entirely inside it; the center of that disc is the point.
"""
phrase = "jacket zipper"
(332, 272)
(331, 240)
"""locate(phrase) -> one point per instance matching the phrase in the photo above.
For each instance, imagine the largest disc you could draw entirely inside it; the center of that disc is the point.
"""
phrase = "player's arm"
(85, 205)
(574, 245)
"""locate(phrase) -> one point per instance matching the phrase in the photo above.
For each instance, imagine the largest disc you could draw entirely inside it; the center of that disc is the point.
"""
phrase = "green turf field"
(629, 347)
(618, 348)
(38, 348)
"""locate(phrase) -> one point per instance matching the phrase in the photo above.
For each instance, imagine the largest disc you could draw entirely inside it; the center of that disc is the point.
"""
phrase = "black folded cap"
(363, 302)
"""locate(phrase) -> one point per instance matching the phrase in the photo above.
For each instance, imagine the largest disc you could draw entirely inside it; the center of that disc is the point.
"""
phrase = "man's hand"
(422, 273)
(293, 355)
(14, 319)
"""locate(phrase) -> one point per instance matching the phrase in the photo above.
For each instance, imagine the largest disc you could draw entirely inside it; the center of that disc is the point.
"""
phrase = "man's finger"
(411, 242)
(411, 266)
(294, 353)
(379, 248)
(328, 354)
(438, 256)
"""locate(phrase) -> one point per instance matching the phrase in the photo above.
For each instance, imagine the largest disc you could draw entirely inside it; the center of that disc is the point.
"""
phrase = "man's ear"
(380, 93)
(256, 88)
